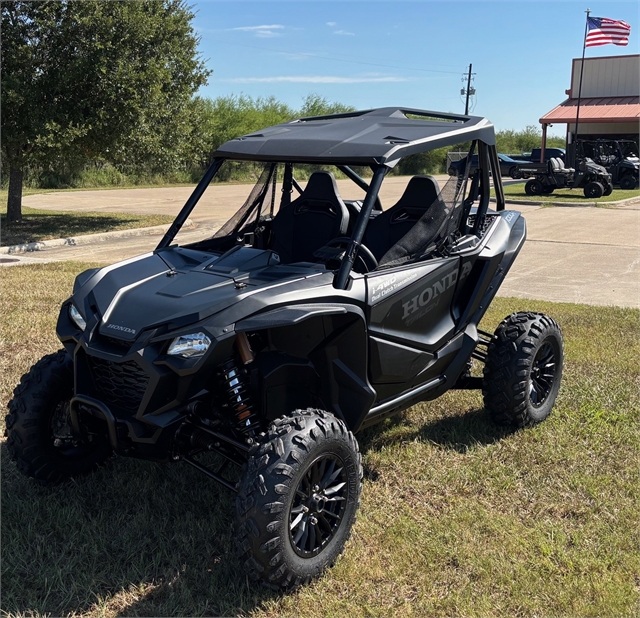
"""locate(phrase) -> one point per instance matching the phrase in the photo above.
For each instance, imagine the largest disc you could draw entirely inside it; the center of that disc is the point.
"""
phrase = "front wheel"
(628, 182)
(594, 190)
(515, 173)
(38, 427)
(523, 369)
(298, 498)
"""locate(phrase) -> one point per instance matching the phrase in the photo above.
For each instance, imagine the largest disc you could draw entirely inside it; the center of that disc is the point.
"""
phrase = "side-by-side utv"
(302, 320)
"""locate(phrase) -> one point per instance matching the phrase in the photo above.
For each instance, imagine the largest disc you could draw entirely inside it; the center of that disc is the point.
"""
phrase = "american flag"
(603, 31)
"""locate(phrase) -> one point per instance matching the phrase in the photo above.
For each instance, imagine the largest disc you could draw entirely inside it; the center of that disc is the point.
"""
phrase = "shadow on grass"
(134, 538)
(44, 225)
(142, 539)
(458, 433)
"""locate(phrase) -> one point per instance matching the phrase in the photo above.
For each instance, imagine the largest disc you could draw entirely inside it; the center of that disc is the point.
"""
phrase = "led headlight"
(189, 346)
(76, 318)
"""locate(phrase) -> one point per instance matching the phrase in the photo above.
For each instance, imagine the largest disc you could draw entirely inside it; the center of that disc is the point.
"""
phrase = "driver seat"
(317, 216)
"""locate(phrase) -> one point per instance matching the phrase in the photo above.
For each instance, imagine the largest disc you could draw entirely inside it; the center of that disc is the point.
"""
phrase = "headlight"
(76, 318)
(189, 346)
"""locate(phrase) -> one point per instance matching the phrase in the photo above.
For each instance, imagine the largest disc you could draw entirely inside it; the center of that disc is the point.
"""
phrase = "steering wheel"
(365, 257)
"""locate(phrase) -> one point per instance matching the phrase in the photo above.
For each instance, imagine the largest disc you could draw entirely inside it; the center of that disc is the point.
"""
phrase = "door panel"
(412, 304)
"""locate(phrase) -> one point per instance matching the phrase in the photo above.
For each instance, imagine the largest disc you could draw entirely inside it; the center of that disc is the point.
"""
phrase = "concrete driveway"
(572, 254)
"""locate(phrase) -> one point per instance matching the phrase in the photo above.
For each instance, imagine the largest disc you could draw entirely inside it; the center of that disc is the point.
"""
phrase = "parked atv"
(301, 321)
(593, 179)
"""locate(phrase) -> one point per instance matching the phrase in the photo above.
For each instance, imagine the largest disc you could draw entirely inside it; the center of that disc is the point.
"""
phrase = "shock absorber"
(238, 397)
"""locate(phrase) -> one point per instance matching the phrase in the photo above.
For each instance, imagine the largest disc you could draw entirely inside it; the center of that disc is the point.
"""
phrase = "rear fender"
(489, 268)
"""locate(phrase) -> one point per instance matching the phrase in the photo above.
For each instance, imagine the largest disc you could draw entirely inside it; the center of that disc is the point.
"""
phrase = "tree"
(94, 79)
(317, 105)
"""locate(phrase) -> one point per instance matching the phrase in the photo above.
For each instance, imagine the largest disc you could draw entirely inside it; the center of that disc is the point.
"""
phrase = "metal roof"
(369, 137)
(600, 109)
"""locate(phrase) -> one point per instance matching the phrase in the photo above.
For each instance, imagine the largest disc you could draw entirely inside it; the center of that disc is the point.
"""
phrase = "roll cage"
(438, 129)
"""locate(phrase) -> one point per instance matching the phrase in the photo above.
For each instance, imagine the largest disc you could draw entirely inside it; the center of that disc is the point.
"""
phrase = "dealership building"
(610, 101)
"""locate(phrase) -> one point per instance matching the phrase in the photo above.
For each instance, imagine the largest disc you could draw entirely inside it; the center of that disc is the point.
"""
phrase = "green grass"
(458, 517)
(37, 224)
(516, 191)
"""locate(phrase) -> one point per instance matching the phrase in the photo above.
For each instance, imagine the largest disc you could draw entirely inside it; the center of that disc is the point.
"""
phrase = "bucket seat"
(313, 219)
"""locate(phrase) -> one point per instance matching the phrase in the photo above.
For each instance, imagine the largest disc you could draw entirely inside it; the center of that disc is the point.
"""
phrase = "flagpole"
(584, 47)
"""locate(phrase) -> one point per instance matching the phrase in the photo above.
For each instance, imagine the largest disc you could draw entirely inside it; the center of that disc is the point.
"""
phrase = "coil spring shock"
(234, 380)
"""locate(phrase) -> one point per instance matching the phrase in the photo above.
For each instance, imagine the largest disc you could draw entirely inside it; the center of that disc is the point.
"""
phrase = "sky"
(410, 54)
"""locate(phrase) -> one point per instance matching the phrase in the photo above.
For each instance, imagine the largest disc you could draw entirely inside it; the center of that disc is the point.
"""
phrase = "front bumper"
(136, 393)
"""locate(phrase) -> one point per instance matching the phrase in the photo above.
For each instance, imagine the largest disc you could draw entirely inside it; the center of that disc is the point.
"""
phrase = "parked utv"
(618, 157)
(301, 321)
(593, 179)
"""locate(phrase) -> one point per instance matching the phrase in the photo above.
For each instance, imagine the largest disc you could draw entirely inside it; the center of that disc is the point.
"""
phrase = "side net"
(259, 204)
(438, 228)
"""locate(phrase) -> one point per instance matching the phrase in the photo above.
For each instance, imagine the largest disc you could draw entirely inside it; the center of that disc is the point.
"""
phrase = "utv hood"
(176, 287)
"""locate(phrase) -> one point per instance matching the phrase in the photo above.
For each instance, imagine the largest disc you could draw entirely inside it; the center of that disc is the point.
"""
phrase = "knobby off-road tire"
(523, 369)
(298, 498)
(37, 415)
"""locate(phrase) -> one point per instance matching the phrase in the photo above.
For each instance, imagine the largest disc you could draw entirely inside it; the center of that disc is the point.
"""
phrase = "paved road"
(585, 255)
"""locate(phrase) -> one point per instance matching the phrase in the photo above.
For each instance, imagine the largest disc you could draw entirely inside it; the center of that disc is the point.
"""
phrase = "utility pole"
(469, 90)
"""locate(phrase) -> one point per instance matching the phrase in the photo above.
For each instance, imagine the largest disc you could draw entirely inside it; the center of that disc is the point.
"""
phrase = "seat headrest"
(421, 192)
(321, 186)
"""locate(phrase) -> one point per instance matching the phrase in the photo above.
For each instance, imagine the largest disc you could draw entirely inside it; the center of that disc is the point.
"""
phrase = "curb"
(88, 239)
(569, 204)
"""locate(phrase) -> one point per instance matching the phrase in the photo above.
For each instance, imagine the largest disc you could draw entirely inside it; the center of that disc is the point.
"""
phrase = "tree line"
(104, 93)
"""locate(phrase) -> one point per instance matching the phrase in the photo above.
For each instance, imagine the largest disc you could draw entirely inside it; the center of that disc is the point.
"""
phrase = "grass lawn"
(458, 517)
(516, 191)
(39, 224)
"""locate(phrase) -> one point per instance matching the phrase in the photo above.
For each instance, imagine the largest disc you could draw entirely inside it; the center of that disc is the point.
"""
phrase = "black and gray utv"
(304, 319)
(593, 179)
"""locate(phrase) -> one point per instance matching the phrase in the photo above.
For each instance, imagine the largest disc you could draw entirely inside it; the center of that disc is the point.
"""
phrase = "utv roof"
(369, 137)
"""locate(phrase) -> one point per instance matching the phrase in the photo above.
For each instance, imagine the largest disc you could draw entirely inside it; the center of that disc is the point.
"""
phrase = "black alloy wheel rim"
(318, 506)
(543, 374)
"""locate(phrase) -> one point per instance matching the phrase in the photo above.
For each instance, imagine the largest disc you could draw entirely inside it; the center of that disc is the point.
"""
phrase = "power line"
(326, 57)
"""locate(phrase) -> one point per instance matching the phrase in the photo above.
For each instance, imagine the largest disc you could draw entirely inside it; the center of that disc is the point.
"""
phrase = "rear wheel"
(38, 428)
(533, 187)
(298, 499)
(515, 173)
(594, 190)
(628, 182)
(523, 369)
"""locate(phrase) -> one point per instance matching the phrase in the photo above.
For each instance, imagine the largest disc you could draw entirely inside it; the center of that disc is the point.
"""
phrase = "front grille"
(119, 384)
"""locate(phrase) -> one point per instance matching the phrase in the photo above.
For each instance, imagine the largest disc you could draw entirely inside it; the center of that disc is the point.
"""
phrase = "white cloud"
(253, 28)
(332, 23)
(316, 79)
(265, 31)
(344, 33)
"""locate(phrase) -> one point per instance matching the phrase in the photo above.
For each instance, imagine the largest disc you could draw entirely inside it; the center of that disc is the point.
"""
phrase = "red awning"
(601, 109)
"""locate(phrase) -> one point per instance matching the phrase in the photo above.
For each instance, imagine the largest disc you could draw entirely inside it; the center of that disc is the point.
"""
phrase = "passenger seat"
(393, 224)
